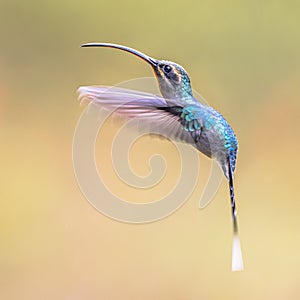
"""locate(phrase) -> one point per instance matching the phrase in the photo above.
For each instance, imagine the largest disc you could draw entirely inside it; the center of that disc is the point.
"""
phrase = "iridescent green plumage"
(200, 125)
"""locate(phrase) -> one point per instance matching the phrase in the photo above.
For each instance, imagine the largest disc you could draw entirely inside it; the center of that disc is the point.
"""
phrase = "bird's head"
(173, 80)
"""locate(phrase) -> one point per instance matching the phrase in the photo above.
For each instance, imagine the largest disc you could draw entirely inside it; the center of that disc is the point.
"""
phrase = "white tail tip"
(237, 257)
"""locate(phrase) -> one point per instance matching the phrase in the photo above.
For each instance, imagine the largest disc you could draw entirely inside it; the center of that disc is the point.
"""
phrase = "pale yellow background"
(243, 57)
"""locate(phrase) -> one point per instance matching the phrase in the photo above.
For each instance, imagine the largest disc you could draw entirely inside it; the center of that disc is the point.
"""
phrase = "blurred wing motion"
(152, 112)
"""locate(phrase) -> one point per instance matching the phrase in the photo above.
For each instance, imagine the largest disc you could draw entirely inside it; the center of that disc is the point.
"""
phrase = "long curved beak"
(153, 62)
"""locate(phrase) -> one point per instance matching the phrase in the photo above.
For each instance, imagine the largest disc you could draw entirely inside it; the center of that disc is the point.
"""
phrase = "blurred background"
(243, 57)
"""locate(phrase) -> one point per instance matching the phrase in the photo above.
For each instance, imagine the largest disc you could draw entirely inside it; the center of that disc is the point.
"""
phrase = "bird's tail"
(237, 258)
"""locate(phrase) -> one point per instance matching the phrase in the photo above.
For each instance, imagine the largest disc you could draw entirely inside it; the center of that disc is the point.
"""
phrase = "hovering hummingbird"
(179, 115)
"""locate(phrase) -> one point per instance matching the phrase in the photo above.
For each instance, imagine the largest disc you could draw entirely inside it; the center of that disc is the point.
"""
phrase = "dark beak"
(153, 62)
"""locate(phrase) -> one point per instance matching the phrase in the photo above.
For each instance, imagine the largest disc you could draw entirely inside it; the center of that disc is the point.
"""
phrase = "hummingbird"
(180, 116)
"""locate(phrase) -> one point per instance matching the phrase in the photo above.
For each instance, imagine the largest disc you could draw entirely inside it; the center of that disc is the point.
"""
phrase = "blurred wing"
(151, 112)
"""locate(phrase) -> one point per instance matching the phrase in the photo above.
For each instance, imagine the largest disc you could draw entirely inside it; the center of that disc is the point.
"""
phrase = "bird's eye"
(167, 68)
